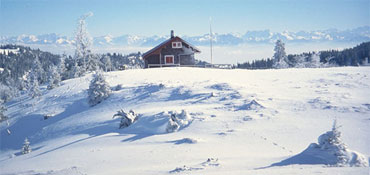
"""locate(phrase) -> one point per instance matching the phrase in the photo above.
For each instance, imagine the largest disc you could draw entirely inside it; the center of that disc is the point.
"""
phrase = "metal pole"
(210, 38)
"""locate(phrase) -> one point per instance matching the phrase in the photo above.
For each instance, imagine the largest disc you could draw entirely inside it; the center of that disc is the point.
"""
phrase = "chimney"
(172, 34)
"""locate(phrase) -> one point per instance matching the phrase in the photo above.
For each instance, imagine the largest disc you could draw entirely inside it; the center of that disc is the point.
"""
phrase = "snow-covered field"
(238, 122)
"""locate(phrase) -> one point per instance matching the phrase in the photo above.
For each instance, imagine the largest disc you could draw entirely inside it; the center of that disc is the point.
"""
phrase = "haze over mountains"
(357, 35)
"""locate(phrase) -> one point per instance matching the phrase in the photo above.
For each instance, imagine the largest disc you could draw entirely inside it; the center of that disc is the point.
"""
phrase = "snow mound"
(72, 170)
(210, 162)
(184, 141)
(253, 105)
(184, 168)
(330, 150)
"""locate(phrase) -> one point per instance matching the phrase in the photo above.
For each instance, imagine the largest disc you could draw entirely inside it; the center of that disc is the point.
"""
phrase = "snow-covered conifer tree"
(99, 89)
(3, 117)
(53, 78)
(92, 63)
(331, 140)
(280, 58)
(6, 92)
(37, 70)
(83, 44)
(26, 147)
(33, 84)
(76, 70)
(313, 60)
(62, 67)
(107, 64)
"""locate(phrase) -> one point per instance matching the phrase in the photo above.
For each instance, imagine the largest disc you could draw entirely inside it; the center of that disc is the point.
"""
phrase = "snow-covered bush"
(126, 118)
(330, 150)
(332, 143)
(172, 125)
(26, 147)
(177, 120)
(99, 89)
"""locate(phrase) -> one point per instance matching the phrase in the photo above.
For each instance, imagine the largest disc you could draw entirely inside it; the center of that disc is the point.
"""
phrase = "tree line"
(356, 56)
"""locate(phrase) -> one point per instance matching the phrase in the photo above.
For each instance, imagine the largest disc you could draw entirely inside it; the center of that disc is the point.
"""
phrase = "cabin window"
(169, 59)
(176, 45)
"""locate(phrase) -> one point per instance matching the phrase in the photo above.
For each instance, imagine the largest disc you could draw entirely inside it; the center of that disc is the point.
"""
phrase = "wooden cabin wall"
(187, 59)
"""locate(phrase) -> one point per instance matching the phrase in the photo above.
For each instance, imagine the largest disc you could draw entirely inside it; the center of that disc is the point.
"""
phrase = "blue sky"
(186, 17)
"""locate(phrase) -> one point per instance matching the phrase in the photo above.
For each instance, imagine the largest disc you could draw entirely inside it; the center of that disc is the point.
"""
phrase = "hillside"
(238, 122)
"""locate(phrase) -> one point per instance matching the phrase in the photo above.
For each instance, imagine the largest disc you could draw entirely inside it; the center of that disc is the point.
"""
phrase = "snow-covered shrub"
(332, 143)
(172, 125)
(330, 150)
(99, 89)
(177, 120)
(126, 118)
(26, 147)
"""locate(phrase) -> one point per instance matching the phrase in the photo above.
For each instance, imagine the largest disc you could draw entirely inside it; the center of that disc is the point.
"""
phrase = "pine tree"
(107, 64)
(62, 67)
(99, 89)
(26, 147)
(83, 44)
(37, 70)
(33, 85)
(92, 63)
(76, 70)
(54, 78)
(3, 117)
(331, 140)
(280, 58)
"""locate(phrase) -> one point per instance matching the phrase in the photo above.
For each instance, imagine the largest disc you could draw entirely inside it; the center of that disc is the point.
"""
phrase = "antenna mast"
(210, 38)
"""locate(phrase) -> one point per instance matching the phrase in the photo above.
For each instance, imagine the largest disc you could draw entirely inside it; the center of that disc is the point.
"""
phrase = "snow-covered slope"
(238, 122)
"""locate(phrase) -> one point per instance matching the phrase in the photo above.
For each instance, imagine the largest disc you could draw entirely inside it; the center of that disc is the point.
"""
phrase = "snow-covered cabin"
(172, 52)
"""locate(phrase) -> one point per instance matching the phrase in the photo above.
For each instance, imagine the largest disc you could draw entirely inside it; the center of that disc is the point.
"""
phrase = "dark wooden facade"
(171, 53)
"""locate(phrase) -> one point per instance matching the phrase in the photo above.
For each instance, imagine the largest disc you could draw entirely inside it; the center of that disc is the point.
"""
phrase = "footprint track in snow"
(273, 143)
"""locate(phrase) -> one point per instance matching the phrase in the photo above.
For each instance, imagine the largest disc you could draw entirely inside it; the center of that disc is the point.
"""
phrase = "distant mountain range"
(360, 34)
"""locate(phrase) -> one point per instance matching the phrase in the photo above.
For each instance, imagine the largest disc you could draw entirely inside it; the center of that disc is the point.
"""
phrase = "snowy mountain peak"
(361, 34)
